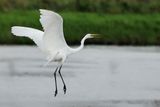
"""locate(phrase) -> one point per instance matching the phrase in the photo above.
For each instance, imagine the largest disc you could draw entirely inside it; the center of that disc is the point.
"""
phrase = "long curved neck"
(74, 50)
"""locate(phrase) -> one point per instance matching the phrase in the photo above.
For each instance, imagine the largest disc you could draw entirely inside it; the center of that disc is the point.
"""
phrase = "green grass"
(120, 29)
(105, 6)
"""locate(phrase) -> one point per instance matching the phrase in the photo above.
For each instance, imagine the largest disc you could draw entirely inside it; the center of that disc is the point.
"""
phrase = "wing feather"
(34, 34)
(52, 24)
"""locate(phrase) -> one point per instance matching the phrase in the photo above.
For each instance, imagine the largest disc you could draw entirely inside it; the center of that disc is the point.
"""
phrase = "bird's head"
(92, 36)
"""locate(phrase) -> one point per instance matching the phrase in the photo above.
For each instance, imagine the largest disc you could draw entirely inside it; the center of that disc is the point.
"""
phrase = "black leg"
(64, 85)
(56, 91)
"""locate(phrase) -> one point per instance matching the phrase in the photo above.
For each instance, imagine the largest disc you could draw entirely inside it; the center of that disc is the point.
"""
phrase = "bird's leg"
(64, 85)
(56, 91)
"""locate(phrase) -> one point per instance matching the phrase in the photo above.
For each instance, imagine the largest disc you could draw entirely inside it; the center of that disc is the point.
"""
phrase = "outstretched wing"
(53, 30)
(34, 34)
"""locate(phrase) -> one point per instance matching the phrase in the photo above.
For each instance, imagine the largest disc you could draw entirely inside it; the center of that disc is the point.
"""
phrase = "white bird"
(51, 40)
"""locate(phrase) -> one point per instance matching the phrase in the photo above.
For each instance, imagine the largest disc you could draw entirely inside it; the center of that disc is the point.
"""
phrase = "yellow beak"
(96, 35)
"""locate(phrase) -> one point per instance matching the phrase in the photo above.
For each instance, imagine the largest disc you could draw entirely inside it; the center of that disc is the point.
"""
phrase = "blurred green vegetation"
(105, 6)
(121, 22)
(122, 29)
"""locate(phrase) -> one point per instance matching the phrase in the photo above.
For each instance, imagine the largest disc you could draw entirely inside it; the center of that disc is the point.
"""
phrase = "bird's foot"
(64, 89)
(55, 94)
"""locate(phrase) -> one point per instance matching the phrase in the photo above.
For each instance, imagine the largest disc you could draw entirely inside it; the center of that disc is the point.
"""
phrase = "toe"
(64, 89)
(55, 94)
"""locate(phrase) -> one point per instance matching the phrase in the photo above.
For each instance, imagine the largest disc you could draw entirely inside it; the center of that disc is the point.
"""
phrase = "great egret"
(51, 41)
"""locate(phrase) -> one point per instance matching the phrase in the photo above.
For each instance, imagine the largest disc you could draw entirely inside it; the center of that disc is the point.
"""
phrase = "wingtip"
(41, 10)
(13, 29)
(45, 11)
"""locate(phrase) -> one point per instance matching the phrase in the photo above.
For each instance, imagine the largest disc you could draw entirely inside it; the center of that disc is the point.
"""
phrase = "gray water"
(98, 76)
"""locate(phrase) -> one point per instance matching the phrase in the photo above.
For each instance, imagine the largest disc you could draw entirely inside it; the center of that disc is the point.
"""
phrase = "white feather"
(34, 34)
(53, 30)
(51, 41)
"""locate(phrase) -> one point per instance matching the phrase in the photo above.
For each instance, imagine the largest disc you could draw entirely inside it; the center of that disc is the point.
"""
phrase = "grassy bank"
(104, 6)
(133, 29)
